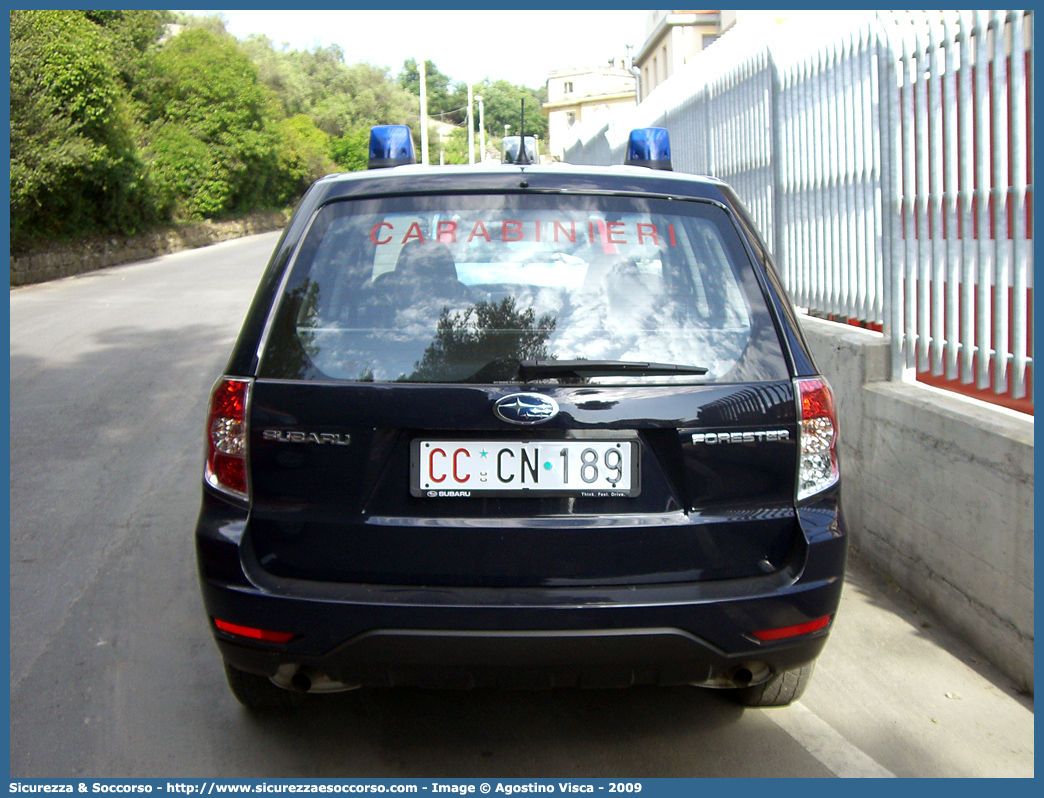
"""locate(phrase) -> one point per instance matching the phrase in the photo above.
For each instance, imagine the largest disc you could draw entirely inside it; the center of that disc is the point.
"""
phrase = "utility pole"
(422, 69)
(471, 129)
(482, 131)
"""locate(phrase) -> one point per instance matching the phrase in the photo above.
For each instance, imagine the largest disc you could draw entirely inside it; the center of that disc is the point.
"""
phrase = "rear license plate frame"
(450, 467)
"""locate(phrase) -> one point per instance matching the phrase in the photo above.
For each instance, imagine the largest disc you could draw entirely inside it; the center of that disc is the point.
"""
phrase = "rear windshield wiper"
(534, 369)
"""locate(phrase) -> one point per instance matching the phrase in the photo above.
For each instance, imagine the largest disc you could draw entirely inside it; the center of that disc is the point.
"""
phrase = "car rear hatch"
(492, 391)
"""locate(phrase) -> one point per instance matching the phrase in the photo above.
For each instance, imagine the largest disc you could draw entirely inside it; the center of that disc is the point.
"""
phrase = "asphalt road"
(113, 672)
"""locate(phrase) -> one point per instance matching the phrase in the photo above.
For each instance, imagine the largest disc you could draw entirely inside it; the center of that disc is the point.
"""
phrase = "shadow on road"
(487, 733)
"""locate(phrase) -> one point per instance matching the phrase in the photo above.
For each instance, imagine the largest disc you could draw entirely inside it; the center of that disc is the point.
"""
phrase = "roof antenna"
(522, 158)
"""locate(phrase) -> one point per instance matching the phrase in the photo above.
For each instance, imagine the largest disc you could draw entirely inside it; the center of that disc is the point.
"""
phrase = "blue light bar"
(390, 145)
(649, 146)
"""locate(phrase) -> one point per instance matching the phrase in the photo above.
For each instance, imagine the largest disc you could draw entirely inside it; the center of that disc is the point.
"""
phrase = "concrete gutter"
(938, 491)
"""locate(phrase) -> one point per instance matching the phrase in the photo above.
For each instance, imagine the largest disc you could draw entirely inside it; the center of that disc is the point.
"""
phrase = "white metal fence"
(887, 158)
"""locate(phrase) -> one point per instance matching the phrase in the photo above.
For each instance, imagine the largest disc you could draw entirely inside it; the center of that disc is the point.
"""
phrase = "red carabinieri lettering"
(609, 235)
(413, 234)
(515, 228)
(373, 233)
(446, 232)
(479, 230)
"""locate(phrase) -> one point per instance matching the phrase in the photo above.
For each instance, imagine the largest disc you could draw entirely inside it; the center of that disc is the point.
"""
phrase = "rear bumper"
(349, 635)
(603, 658)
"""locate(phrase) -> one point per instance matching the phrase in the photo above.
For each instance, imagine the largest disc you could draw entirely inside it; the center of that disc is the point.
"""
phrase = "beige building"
(672, 38)
(575, 95)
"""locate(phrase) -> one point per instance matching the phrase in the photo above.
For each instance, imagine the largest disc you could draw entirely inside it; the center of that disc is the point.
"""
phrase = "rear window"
(461, 289)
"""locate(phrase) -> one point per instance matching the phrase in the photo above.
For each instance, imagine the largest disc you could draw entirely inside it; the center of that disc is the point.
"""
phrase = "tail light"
(817, 437)
(266, 635)
(783, 632)
(227, 438)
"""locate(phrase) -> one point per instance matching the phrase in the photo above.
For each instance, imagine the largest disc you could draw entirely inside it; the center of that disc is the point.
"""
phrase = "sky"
(518, 46)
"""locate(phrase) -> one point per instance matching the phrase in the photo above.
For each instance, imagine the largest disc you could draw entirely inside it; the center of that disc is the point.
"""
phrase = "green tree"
(446, 99)
(351, 152)
(337, 97)
(502, 105)
(133, 34)
(206, 86)
(487, 340)
(454, 147)
(300, 79)
(74, 164)
(215, 23)
(304, 153)
(120, 120)
(182, 164)
(376, 100)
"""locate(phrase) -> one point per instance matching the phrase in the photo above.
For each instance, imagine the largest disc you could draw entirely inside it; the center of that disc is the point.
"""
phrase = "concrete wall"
(938, 492)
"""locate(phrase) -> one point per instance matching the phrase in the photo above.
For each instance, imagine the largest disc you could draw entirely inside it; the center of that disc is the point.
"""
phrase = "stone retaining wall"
(97, 253)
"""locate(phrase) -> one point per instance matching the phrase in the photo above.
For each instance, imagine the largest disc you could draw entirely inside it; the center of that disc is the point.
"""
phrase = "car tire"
(257, 693)
(782, 689)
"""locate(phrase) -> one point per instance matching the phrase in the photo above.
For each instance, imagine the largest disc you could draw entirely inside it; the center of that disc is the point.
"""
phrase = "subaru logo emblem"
(526, 408)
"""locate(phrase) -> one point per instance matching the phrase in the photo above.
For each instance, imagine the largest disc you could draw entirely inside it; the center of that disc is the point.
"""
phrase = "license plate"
(455, 468)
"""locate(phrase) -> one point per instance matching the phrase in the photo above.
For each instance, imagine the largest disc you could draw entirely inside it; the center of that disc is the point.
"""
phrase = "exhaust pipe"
(742, 677)
(305, 679)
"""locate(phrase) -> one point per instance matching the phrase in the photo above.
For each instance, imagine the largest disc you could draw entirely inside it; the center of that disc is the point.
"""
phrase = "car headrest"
(427, 262)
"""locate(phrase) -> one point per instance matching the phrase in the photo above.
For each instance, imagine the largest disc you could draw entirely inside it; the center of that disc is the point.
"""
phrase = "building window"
(568, 87)
(570, 118)
(666, 69)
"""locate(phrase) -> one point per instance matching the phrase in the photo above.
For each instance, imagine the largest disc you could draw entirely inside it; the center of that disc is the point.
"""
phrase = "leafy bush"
(182, 168)
(304, 154)
(351, 152)
(205, 85)
(74, 165)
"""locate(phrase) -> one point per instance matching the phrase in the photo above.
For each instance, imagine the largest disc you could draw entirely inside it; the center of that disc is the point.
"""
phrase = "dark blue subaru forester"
(521, 426)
